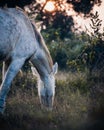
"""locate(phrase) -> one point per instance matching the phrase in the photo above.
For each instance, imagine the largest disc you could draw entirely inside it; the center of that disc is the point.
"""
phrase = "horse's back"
(16, 34)
(9, 32)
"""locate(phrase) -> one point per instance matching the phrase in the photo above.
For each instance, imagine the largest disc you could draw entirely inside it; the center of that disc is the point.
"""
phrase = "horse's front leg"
(13, 69)
(3, 70)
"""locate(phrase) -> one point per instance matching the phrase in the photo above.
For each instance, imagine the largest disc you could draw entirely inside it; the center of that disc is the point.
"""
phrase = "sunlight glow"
(78, 18)
(41, 1)
(49, 6)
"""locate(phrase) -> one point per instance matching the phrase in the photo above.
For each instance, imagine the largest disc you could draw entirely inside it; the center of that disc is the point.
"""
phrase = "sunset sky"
(79, 20)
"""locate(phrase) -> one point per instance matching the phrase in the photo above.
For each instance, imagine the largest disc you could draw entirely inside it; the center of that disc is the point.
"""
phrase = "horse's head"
(46, 88)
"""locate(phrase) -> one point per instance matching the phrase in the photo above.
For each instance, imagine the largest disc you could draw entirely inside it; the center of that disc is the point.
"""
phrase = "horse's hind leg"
(13, 69)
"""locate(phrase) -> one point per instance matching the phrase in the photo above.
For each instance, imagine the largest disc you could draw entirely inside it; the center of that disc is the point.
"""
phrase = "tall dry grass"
(71, 107)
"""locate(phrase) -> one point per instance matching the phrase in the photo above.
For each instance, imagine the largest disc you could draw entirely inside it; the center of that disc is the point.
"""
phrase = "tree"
(13, 3)
(59, 18)
(84, 6)
(92, 55)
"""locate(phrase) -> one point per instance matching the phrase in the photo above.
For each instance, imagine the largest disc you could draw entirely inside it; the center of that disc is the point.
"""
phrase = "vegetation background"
(79, 103)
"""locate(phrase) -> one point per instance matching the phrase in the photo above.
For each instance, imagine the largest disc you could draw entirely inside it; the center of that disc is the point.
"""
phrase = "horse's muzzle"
(47, 102)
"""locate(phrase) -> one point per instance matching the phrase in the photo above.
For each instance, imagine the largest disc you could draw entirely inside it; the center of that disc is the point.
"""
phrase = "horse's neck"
(42, 64)
(43, 59)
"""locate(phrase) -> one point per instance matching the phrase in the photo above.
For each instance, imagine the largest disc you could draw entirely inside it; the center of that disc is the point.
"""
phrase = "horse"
(21, 42)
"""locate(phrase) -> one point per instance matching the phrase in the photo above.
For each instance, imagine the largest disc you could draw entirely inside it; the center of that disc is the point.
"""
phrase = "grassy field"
(75, 107)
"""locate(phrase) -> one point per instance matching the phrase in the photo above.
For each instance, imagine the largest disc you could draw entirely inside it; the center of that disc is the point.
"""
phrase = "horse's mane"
(42, 43)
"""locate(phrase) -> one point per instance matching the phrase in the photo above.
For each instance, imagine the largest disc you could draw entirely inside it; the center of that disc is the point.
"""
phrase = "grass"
(71, 110)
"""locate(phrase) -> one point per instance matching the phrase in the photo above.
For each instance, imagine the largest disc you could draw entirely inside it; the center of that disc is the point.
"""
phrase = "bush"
(65, 51)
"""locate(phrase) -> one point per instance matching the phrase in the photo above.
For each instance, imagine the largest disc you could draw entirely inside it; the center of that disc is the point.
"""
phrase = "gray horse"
(19, 42)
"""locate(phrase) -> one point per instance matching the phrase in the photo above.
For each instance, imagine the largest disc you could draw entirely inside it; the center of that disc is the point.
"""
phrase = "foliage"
(13, 3)
(60, 23)
(57, 19)
(84, 6)
(64, 51)
(95, 58)
(92, 54)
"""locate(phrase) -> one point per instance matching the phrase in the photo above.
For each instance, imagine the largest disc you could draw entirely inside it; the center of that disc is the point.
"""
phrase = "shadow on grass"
(27, 122)
(14, 122)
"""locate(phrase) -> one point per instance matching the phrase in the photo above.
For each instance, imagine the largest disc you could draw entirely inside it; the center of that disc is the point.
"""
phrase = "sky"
(85, 22)
(79, 21)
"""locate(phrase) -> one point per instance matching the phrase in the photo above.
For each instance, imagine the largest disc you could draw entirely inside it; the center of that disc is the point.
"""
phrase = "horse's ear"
(34, 71)
(55, 68)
